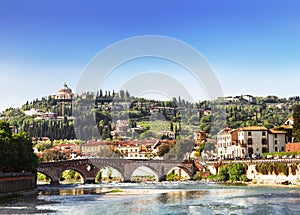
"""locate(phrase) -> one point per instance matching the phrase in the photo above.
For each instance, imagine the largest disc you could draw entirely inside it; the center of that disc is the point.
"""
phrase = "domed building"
(64, 94)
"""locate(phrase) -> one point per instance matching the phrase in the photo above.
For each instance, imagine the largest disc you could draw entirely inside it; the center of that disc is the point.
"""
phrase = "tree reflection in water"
(175, 197)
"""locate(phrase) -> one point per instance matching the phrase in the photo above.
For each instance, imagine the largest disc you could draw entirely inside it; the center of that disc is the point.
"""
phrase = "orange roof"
(255, 128)
(273, 131)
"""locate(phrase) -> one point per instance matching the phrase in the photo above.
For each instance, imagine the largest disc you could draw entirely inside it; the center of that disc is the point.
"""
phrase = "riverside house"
(248, 141)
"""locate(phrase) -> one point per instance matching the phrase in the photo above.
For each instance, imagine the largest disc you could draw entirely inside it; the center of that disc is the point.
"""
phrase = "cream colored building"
(255, 138)
(277, 140)
(132, 151)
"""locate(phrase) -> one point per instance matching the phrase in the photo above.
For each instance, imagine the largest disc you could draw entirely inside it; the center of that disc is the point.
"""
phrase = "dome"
(65, 89)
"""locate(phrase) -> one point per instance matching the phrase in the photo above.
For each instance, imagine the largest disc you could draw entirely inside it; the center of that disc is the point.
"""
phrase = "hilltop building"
(64, 93)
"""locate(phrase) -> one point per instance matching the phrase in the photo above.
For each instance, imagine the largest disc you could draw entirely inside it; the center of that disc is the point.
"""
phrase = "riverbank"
(266, 183)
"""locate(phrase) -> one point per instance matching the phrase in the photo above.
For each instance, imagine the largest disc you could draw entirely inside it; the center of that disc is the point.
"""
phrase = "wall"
(13, 183)
(271, 179)
(293, 147)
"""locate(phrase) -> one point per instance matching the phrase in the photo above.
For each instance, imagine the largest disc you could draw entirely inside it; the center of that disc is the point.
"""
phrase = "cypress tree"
(296, 127)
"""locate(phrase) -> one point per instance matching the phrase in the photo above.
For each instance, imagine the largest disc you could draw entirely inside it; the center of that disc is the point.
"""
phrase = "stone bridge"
(88, 168)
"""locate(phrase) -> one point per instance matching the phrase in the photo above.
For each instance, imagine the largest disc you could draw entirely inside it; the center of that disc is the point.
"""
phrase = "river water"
(156, 198)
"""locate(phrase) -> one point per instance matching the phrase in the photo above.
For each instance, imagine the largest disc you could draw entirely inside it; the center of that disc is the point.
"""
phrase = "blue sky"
(253, 46)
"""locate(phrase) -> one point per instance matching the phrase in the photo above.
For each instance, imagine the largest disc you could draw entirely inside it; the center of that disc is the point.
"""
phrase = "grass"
(115, 191)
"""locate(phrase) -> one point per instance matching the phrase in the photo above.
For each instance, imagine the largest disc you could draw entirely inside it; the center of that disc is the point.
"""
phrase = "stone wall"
(14, 183)
(271, 178)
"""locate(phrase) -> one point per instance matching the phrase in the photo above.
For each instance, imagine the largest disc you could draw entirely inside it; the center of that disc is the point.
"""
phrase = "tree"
(16, 151)
(223, 173)
(236, 170)
(296, 126)
(163, 149)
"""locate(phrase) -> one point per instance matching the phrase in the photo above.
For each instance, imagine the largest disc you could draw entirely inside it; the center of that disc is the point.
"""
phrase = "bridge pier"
(54, 182)
(162, 178)
(89, 181)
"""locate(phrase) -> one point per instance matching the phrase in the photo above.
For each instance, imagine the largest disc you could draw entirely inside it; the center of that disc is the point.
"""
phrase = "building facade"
(277, 140)
(228, 145)
(255, 139)
(249, 141)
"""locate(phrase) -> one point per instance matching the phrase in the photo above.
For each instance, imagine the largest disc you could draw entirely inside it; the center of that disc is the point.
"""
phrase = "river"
(156, 198)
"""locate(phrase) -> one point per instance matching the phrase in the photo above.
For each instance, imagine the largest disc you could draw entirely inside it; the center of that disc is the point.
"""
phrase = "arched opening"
(42, 178)
(108, 174)
(144, 174)
(177, 174)
(71, 176)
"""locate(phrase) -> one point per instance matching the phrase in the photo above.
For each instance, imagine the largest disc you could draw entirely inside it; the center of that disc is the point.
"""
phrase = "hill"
(99, 114)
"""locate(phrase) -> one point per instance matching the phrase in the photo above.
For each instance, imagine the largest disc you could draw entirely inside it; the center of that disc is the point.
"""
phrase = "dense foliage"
(16, 151)
(234, 172)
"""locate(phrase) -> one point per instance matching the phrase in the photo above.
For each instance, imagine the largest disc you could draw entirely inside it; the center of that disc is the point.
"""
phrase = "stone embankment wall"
(14, 183)
(259, 178)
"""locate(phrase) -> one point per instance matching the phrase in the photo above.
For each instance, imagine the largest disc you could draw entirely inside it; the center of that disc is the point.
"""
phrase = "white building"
(224, 143)
(228, 144)
(32, 112)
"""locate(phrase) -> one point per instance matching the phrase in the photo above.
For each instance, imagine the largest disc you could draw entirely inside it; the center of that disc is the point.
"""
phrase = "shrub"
(243, 178)
(294, 168)
(264, 168)
(197, 176)
(172, 177)
(235, 171)
(282, 168)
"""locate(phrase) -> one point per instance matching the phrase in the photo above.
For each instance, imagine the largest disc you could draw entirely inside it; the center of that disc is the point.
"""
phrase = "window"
(264, 150)
(249, 141)
(275, 142)
(250, 151)
(264, 133)
(275, 135)
(264, 141)
(249, 133)
(282, 149)
(276, 149)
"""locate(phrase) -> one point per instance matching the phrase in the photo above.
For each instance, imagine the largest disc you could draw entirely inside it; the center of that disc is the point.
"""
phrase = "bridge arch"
(82, 175)
(47, 175)
(110, 173)
(139, 170)
(178, 171)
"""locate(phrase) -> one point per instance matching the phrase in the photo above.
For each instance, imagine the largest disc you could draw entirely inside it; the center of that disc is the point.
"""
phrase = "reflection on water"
(176, 197)
(71, 191)
(160, 198)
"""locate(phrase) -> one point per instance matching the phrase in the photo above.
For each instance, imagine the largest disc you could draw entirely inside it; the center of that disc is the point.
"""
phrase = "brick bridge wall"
(89, 168)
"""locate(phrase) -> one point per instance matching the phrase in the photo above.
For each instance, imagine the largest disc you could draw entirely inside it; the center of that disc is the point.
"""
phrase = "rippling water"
(157, 198)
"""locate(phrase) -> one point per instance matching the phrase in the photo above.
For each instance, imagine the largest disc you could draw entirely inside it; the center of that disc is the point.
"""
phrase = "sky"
(252, 46)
